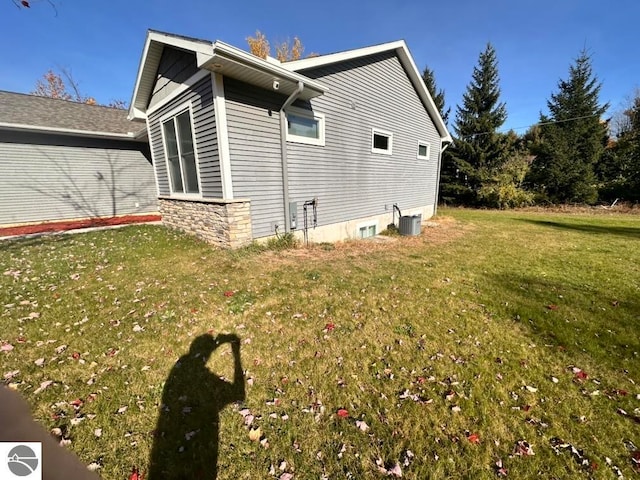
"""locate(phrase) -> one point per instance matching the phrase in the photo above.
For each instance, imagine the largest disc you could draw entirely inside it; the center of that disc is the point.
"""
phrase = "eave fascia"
(70, 131)
(276, 69)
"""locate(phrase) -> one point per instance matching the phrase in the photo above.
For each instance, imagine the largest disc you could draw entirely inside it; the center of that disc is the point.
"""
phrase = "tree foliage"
(286, 51)
(437, 95)
(572, 138)
(64, 87)
(479, 150)
(618, 170)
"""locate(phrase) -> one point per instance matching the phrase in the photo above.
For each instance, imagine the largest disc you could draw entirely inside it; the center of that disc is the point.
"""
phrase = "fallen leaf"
(135, 474)
(6, 347)
(362, 425)
(552, 307)
(473, 438)
(581, 375)
(286, 476)
(523, 448)
(255, 434)
(342, 413)
(229, 293)
(43, 385)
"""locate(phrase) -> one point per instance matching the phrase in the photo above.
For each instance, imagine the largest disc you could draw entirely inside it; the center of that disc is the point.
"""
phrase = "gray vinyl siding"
(254, 145)
(175, 67)
(52, 177)
(350, 181)
(200, 96)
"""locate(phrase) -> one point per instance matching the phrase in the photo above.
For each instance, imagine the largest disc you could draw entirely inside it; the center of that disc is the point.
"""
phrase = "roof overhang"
(217, 57)
(401, 49)
(131, 136)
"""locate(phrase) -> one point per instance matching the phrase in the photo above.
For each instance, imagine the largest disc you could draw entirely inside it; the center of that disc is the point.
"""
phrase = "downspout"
(283, 149)
(435, 201)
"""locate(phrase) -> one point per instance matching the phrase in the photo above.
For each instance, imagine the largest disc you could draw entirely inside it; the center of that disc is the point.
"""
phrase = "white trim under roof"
(69, 131)
(407, 62)
(216, 57)
(278, 70)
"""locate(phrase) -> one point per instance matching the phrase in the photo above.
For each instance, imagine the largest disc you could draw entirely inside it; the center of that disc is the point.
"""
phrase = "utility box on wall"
(410, 224)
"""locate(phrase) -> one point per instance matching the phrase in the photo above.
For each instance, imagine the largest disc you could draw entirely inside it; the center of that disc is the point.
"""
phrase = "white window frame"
(423, 144)
(301, 112)
(382, 133)
(170, 115)
(360, 226)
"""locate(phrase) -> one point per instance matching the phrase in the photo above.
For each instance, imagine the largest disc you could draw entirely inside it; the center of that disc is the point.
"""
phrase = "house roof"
(217, 57)
(236, 63)
(19, 111)
(401, 49)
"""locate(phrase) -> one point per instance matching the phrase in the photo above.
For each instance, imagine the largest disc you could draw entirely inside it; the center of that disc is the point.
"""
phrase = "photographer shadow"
(186, 437)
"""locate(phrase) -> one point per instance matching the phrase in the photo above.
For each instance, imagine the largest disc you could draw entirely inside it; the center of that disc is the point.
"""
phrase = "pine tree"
(438, 95)
(618, 169)
(478, 150)
(573, 138)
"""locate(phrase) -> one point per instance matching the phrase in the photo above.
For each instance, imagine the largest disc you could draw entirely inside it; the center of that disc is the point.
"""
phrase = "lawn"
(495, 344)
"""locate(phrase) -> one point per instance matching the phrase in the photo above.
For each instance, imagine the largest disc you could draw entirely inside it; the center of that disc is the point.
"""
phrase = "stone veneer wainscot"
(224, 223)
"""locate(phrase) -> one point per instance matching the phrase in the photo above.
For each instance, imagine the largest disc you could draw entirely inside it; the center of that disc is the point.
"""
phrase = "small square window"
(424, 150)
(381, 141)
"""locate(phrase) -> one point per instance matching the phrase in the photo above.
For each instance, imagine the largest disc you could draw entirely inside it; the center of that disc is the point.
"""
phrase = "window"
(305, 126)
(381, 141)
(367, 230)
(424, 150)
(181, 158)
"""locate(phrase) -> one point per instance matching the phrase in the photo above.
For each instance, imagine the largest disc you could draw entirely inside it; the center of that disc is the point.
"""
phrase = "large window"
(181, 158)
(381, 141)
(305, 126)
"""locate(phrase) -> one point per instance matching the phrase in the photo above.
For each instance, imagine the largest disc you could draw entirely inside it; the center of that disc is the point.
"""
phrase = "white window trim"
(423, 144)
(359, 226)
(172, 114)
(384, 133)
(301, 112)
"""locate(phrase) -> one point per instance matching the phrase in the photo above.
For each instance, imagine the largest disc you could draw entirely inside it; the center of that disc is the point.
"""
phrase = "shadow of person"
(186, 437)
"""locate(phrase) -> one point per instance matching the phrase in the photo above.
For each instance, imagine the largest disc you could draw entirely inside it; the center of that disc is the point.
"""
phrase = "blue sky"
(536, 41)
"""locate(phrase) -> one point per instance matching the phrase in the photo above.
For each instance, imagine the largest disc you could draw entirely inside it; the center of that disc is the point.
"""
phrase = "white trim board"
(224, 155)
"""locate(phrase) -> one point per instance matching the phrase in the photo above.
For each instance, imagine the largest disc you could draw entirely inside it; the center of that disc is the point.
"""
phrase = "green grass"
(397, 333)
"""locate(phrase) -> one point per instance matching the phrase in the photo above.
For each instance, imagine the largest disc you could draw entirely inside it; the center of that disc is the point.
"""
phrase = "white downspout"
(283, 149)
(435, 200)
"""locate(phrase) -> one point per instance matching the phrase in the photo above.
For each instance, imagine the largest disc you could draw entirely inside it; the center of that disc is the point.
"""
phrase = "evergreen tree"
(572, 138)
(479, 150)
(618, 169)
(438, 95)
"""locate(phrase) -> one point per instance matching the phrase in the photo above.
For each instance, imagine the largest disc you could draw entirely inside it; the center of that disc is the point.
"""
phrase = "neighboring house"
(67, 161)
(240, 144)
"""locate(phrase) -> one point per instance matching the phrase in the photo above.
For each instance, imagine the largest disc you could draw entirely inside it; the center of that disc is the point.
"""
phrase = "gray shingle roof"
(31, 110)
